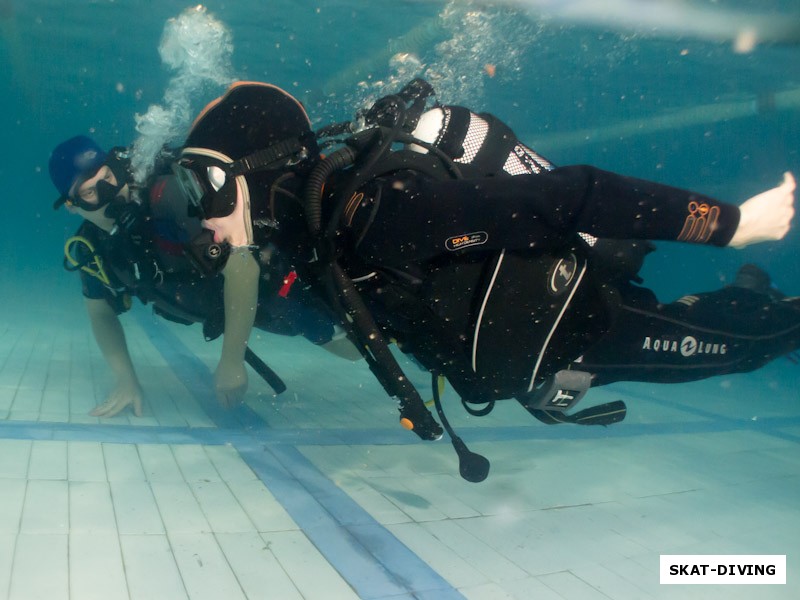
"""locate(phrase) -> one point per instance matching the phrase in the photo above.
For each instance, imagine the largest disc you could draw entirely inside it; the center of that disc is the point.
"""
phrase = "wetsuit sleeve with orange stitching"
(416, 218)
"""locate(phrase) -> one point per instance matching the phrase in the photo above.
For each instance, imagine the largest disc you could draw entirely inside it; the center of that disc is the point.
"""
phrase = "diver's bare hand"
(767, 216)
(230, 382)
(125, 394)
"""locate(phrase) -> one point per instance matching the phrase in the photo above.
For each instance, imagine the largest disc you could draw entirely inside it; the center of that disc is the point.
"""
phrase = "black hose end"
(473, 467)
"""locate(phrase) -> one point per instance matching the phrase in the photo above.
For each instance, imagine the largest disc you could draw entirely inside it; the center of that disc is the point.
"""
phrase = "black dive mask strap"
(120, 164)
(282, 154)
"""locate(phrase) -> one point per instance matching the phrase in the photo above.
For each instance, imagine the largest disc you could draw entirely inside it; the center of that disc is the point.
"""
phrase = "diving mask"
(201, 183)
(96, 196)
(104, 190)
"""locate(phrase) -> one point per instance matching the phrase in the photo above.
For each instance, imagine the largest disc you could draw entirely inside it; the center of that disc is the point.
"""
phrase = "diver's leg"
(736, 329)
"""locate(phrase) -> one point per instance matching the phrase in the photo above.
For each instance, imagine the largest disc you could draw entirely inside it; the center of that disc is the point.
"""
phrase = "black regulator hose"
(340, 159)
(413, 413)
(358, 319)
(473, 467)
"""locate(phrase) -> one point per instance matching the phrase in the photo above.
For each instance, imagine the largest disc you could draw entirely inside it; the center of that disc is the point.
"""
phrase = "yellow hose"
(96, 261)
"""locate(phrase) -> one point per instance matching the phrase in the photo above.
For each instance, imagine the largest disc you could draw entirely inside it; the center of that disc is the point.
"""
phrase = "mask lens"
(81, 199)
(190, 184)
(216, 177)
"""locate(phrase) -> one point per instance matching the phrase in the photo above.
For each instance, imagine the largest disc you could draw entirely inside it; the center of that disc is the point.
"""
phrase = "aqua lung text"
(688, 346)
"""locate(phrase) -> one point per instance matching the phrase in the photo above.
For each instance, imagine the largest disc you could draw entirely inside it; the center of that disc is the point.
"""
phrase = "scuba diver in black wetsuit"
(438, 229)
(139, 243)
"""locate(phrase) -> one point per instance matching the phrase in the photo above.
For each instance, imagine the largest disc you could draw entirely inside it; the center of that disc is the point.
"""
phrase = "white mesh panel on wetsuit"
(476, 135)
(434, 124)
(522, 161)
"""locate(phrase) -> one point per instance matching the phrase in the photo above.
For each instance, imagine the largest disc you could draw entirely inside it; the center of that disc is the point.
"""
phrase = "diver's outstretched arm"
(767, 216)
(110, 337)
(241, 274)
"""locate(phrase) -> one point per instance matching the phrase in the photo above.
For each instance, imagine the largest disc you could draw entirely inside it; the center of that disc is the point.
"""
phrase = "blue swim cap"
(71, 159)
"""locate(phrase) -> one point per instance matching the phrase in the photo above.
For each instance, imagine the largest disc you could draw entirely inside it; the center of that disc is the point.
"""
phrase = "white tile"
(122, 463)
(179, 508)
(54, 396)
(260, 505)
(147, 420)
(85, 461)
(23, 415)
(441, 558)
(373, 501)
(13, 368)
(160, 403)
(442, 492)
(511, 535)
(570, 587)
(298, 557)
(54, 416)
(82, 399)
(90, 508)
(337, 459)
(640, 571)
(194, 464)
(14, 458)
(221, 508)
(8, 542)
(35, 556)
(150, 568)
(95, 567)
(474, 551)
(135, 508)
(529, 588)
(159, 463)
(203, 567)
(229, 464)
(12, 498)
(48, 460)
(82, 417)
(7, 394)
(46, 509)
(492, 591)
(416, 506)
(610, 583)
(27, 401)
(191, 413)
(258, 571)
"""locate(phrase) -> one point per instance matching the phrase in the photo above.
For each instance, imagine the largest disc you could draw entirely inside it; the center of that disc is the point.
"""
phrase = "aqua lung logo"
(688, 346)
(213, 251)
(467, 240)
(562, 274)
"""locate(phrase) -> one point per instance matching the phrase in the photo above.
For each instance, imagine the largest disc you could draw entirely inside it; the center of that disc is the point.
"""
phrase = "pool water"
(317, 493)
